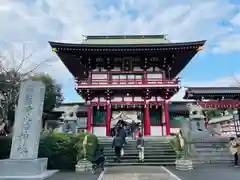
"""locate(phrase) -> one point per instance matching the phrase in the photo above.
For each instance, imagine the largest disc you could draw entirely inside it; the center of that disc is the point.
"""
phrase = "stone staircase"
(158, 151)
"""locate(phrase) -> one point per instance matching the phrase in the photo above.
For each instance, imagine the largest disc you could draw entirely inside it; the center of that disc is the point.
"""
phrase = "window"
(124, 78)
(155, 116)
(99, 76)
(154, 75)
(99, 116)
(176, 121)
(138, 76)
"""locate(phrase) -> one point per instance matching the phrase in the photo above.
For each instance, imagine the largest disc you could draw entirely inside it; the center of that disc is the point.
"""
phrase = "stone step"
(146, 139)
(156, 151)
(148, 148)
(134, 143)
(132, 156)
(141, 164)
(212, 157)
(110, 153)
(132, 140)
(210, 161)
(145, 148)
(153, 138)
(210, 146)
(146, 154)
(207, 154)
(212, 150)
(145, 160)
(145, 145)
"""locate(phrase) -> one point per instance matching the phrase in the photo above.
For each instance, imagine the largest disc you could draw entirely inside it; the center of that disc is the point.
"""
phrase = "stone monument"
(24, 162)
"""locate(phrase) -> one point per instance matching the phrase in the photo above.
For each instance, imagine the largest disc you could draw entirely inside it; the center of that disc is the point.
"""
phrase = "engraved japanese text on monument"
(28, 116)
(22, 149)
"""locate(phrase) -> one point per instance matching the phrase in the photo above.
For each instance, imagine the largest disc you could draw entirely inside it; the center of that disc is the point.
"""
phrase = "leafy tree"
(53, 94)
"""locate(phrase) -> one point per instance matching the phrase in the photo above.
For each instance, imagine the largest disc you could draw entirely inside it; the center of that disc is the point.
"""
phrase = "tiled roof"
(178, 97)
(134, 39)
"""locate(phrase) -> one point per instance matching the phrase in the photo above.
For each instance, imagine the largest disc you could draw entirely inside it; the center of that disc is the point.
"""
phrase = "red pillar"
(147, 120)
(89, 119)
(108, 119)
(162, 120)
(167, 121)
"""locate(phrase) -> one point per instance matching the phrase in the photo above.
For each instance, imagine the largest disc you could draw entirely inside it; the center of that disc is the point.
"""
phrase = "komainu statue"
(196, 117)
(70, 119)
(70, 113)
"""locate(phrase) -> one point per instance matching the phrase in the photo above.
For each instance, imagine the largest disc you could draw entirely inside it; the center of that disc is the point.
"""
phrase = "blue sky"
(35, 22)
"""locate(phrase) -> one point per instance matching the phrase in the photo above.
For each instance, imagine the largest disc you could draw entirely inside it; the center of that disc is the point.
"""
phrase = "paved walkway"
(73, 176)
(136, 173)
(205, 172)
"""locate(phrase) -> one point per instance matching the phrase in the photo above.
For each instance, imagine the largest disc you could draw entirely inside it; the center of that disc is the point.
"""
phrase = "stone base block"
(42, 176)
(184, 165)
(83, 166)
(21, 169)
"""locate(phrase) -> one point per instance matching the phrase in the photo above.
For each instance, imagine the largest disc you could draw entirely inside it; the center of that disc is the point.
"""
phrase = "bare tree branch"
(2, 68)
(35, 68)
(236, 79)
(25, 58)
(12, 74)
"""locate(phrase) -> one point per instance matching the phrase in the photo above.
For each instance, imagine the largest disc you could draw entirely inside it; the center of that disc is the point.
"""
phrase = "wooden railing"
(152, 81)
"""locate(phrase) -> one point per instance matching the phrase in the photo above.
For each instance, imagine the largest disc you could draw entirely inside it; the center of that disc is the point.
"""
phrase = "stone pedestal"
(25, 169)
(184, 165)
(83, 166)
(24, 162)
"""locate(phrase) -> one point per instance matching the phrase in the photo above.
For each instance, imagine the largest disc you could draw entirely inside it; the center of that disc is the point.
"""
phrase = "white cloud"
(227, 44)
(236, 20)
(42, 20)
(230, 42)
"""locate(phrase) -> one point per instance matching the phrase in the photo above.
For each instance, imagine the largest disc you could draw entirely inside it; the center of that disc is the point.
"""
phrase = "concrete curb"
(171, 173)
(100, 177)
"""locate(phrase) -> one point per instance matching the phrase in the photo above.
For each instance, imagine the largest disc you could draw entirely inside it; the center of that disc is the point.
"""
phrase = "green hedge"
(63, 150)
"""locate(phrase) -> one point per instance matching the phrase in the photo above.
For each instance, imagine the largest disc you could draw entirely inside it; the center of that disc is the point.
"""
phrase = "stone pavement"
(206, 172)
(73, 176)
(136, 173)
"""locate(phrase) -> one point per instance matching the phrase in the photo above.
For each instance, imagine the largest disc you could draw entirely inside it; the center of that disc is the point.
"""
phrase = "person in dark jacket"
(117, 144)
(123, 134)
(140, 147)
(99, 160)
(133, 130)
